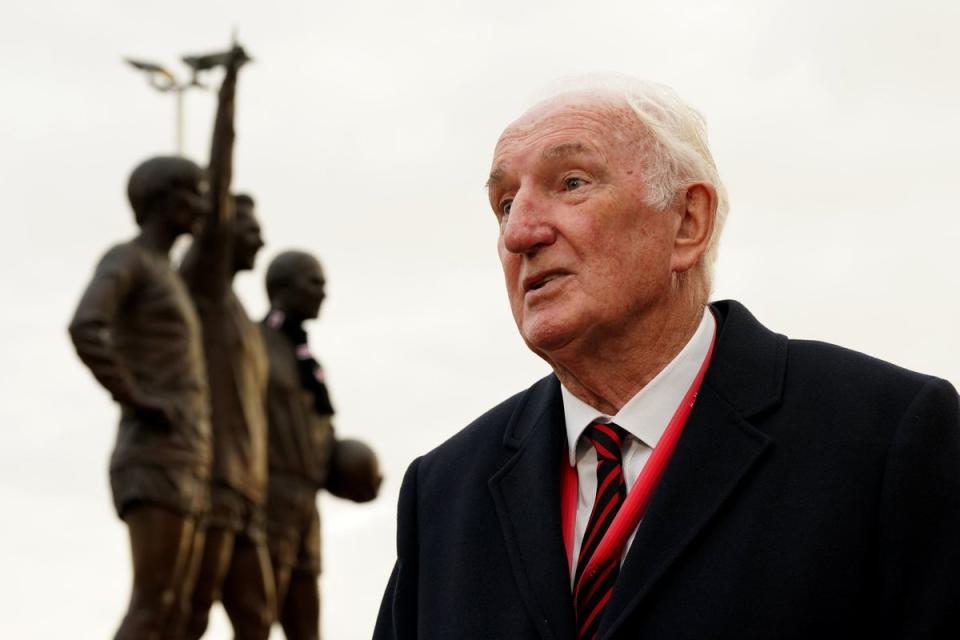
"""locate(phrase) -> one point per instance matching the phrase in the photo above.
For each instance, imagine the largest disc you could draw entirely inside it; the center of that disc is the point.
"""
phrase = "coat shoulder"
(757, 369)
(846, 375)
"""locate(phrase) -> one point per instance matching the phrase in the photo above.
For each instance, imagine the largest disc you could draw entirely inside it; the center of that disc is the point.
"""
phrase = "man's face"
(190, 204)
(307, 290)
(584, 258)
(247, 240)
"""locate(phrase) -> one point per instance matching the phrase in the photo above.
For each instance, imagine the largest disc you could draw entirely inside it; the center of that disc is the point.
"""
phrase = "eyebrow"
(556, 152)
(496, 177)
(565, 150)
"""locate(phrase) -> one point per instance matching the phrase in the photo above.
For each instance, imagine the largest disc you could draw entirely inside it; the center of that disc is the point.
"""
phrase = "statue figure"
(304, 454)
(137, 331)
(235, 567)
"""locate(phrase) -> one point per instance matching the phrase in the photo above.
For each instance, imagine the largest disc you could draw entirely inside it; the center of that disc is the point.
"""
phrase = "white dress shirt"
(644, 417)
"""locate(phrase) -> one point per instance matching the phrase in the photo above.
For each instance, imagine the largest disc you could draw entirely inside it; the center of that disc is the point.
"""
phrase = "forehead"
(312, 267)
(567, 125)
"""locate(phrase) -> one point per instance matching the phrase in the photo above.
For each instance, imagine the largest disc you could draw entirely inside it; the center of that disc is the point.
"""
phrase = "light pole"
(161, 79)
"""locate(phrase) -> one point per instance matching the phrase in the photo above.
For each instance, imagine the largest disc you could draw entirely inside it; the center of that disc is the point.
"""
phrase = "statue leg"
(160, 543)
(284, 530)
(281, 576)
(282, 543)
(214, 564)
(248, 590)
(300, 608)
(180, 617)
(300, 615)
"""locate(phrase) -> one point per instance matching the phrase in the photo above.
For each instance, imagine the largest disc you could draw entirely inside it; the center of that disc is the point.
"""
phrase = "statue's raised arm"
(220, 170)
(207, 265)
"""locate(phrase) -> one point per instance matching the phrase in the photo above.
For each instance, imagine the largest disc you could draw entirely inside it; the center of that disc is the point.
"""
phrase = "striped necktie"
(592, 592)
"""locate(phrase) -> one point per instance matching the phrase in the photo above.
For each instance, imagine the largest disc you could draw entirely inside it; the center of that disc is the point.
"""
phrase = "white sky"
(365, 132)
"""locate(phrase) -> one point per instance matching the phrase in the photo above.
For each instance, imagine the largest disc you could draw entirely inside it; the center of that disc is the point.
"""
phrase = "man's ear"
(698, 210)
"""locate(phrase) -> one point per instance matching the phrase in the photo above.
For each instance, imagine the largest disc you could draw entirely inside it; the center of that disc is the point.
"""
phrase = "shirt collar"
(647, 414)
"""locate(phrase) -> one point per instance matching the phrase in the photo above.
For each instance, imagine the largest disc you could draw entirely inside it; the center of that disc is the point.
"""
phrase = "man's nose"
(528, 227)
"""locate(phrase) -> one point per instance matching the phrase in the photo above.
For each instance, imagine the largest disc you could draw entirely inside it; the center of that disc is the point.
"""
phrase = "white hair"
(676, 152)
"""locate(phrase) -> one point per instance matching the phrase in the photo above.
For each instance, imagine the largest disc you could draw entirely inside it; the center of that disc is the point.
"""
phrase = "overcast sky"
(365, 131)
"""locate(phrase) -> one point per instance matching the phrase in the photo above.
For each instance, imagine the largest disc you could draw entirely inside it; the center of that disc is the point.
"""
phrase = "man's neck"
(607, 375)
(291, 319)
(156, 238)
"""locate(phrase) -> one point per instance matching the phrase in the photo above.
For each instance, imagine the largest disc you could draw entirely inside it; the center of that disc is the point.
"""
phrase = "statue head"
(295, 284)
(168, 188)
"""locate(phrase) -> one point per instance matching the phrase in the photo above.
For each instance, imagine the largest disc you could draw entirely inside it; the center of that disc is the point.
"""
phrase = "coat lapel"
(526, 492)
(717, 449)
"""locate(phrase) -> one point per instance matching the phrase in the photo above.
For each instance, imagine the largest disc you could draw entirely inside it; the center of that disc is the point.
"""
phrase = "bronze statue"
(137, 331)
(304, 454)
(236, 566)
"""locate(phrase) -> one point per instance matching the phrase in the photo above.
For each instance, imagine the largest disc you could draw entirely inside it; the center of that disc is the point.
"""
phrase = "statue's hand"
(237, 57)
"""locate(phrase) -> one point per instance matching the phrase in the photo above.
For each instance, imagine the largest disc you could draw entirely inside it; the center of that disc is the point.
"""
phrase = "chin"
(543, 337)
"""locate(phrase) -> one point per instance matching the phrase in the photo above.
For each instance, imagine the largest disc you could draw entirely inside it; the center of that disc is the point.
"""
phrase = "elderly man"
(684, 472)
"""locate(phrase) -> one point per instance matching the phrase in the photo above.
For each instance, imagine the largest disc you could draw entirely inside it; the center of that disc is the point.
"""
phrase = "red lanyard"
(627, 519)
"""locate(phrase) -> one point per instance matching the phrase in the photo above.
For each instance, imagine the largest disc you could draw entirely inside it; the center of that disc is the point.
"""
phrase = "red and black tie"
(591, 591)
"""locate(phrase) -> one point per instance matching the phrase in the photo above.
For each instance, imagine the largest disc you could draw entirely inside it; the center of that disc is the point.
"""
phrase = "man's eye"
(572, 183)
(505, 207)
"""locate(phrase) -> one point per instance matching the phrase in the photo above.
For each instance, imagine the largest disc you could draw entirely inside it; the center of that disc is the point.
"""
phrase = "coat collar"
(749, 360)
(716, 450)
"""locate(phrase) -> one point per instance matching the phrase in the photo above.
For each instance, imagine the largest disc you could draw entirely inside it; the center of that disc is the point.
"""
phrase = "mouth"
(540, 280)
